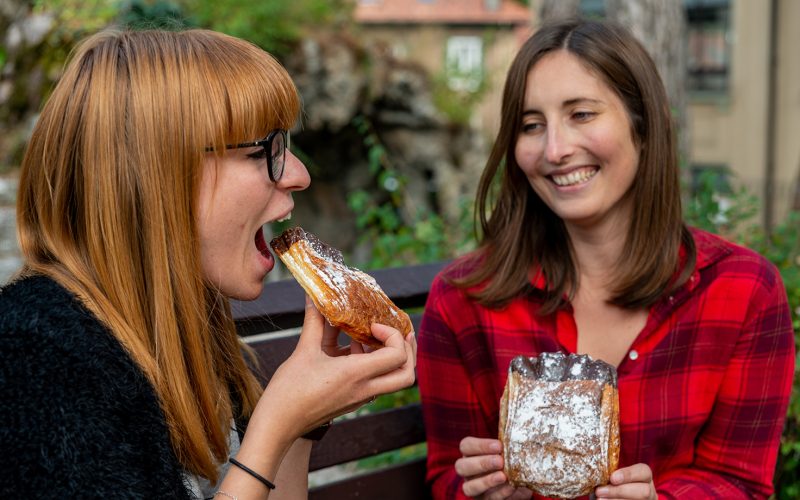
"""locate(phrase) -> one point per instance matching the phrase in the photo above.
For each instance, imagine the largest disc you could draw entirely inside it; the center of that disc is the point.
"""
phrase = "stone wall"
(9, 252)
(341, 82)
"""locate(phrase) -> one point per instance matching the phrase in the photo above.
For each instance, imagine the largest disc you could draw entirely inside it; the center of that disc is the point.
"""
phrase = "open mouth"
(261, 243)
(575, 177)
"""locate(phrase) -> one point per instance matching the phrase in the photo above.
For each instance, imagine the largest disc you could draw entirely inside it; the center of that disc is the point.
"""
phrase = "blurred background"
(401, 102)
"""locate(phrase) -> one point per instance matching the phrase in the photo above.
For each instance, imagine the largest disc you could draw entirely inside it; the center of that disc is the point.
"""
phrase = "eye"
(583, 116)
(259, 154)
(532, 126)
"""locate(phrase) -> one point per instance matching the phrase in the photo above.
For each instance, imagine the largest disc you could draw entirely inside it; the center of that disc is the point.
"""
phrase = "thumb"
(313, 325)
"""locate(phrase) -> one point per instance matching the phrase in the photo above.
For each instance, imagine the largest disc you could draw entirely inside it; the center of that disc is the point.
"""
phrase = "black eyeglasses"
(276, 143)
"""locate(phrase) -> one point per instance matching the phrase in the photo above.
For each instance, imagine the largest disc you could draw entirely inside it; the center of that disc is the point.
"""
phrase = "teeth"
(575, 177)
(288, 217)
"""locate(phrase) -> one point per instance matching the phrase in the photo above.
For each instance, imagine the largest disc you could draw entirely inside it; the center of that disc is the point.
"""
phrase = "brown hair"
(519, 229)
(107, 207)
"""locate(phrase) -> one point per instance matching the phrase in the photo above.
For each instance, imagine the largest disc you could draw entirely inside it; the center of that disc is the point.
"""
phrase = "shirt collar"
(709, 247)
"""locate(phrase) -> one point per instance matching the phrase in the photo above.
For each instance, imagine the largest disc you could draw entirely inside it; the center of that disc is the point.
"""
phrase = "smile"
(575, 177)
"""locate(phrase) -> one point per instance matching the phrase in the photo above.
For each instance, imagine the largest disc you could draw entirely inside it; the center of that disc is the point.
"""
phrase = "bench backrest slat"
(369, 435)
(393, 483)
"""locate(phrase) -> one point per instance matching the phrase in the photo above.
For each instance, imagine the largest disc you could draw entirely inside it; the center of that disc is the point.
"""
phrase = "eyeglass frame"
(266, 144)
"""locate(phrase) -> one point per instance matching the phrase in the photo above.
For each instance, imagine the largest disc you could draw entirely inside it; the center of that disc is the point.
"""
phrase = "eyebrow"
(567, 103)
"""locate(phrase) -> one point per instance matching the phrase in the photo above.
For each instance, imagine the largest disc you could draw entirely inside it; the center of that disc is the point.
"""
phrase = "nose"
(559, 147)
(295, 175)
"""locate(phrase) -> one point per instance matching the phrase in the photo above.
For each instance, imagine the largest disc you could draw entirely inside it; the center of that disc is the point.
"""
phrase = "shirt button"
(633, 355)
(671, 299)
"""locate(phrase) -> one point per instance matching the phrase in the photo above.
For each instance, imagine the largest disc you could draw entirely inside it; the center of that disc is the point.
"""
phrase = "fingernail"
(495, 447)
(616, 477)
(497, 462)
(601, 492)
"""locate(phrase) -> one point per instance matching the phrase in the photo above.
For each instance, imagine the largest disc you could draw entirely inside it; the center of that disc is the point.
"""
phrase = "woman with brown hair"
(584, 250)
(154, 165)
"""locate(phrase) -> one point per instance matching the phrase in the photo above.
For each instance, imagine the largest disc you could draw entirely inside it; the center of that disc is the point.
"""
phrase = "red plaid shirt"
(703, 390)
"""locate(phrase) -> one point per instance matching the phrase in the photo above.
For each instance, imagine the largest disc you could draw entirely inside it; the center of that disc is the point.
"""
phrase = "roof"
(441, 12)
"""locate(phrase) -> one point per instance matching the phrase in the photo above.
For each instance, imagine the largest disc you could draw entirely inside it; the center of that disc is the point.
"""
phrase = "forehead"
(561, 76)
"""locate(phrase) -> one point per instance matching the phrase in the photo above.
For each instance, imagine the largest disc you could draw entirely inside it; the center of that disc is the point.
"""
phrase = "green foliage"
(731, 214)
(78, 18)
(716, 207)
(141, 14)
(274, 25)
(72, 21)
(397, 234)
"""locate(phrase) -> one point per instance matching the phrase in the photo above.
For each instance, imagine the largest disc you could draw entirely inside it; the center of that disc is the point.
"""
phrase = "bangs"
(247, 91)
(267, 101)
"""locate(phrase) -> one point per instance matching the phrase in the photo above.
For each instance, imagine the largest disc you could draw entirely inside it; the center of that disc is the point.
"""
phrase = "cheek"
(526, 155)
(614, 142)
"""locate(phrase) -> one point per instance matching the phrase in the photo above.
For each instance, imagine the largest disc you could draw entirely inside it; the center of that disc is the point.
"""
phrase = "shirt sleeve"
(450, 402)
(737, 450)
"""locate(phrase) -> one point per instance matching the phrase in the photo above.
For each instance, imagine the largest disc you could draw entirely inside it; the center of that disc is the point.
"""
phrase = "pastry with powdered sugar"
(559, 424)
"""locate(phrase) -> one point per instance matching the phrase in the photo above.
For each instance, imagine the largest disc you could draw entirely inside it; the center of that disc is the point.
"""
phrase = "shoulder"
(75, 401)
(444, 284)
(739, 270)
(58, 350)
(28, 300)
(724, 259)
(40, 316)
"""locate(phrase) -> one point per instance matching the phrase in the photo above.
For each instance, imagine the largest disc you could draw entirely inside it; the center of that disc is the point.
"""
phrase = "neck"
(597, 249)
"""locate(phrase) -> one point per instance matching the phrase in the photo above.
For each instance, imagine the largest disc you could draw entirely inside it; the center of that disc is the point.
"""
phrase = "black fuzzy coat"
(78, 419)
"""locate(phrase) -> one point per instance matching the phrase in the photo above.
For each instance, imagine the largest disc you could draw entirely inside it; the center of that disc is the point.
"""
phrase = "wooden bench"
(271, 325)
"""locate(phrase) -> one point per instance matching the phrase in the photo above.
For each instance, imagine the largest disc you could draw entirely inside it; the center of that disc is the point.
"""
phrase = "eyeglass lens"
(278, 155)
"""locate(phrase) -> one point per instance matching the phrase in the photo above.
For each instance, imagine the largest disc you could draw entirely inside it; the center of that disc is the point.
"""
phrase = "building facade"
(743, 76)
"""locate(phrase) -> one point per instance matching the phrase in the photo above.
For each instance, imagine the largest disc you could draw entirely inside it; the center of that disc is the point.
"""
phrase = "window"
(708, 45)
(464, 63)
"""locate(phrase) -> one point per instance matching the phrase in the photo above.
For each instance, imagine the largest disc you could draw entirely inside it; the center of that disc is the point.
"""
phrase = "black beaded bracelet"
(266, 482)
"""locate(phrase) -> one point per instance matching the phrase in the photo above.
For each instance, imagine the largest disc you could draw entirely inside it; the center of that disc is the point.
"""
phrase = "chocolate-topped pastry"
(350, 299)
(559, 424)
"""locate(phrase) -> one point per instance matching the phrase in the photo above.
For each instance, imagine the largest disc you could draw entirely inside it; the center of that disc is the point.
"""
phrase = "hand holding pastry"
(482, 469)
(333, 382)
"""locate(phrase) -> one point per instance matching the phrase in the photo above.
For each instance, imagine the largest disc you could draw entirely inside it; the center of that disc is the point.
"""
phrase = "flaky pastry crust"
(348, 298)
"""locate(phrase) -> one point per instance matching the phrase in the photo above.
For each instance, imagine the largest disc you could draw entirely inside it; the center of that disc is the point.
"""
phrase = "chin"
(246, 295)
(239, 292)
